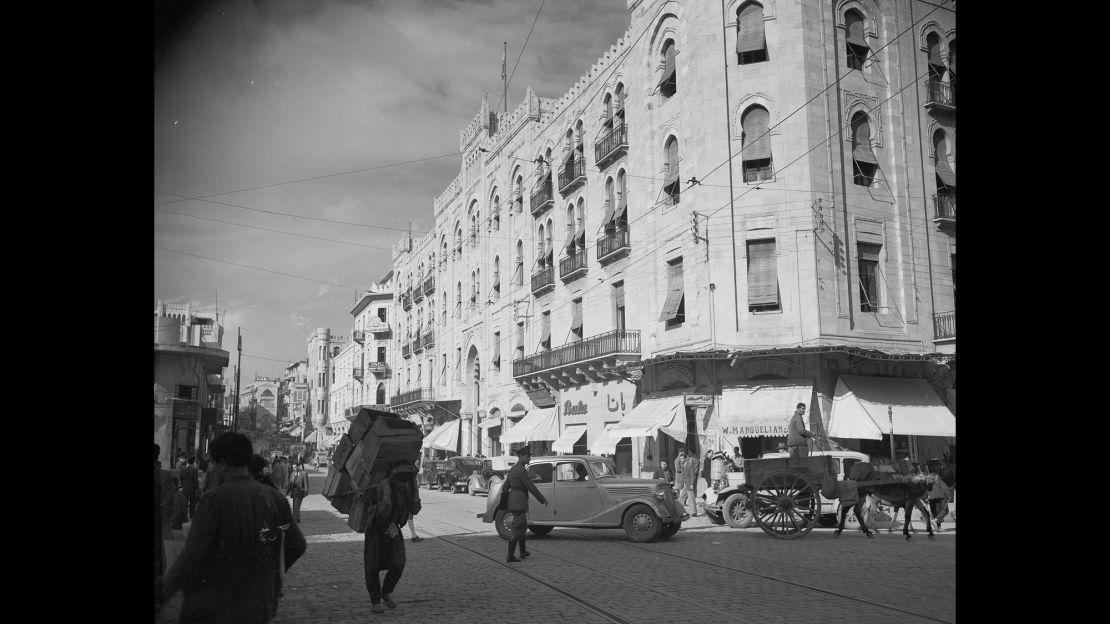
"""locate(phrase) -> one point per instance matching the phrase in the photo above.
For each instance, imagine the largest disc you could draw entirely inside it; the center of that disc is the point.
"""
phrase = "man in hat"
(797, 437)
(520, 484)
(782, 448)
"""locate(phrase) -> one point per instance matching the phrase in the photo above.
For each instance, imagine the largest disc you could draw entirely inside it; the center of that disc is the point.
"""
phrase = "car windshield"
(470, 464)
(602, 469)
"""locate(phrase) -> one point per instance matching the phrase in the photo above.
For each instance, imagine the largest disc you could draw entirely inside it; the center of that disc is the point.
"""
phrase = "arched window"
(610, 206)
(541, 257)
(936, 64)
(620, 217)
(570, 242)
(668, 84)
(580, 223)
(518, 270)
(497, 277)
(946, 178)
(863, 159)
(549, 247)
(518, 195)
(671, 181)
(856, 47)
(756, 148)
(751, 41)
(380, 397)
(495, 213)
(952, 70)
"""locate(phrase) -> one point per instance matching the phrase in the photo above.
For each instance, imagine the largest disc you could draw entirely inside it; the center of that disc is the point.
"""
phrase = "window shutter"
(669, 68)
(576, 316)
(618, 296)
(622, 207)
(750, 36)
(570, 237)
(672, 164)
(674, 293)
(861, 141)
(497, 348)
(757, 141)
(545, 329)
(763, 286)
(609, 214)
(854, 24)
(944, 172)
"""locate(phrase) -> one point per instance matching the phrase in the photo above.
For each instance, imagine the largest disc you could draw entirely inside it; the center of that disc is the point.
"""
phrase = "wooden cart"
(783, 494)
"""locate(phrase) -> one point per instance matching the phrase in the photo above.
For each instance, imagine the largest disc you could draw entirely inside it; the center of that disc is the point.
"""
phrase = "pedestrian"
(257, 470)
(190, 484)
(664, 472)
(393, 500)
(797, 438)
(412, 518)
(297, 489)
(707, 468)
(686, 469)
(279, 474)
(938, 500)
(520, 484)
(231, 568)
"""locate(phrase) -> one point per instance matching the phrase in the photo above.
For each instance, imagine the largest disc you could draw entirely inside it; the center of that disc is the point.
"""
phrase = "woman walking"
(297, 489)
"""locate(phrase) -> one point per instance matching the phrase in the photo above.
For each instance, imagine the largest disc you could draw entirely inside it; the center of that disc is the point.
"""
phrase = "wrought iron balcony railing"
(358, 335)
(573, 267)
(430, 285)
(429, 339)
(944, 325)
(356, 373)
(758, 174)
(611, 146)
(406, 350)
(609, 343)
(612, 244)
(417, 344)
(417, 293)
(572, 175)
(941, 94)
(413, 396)
(945, 204)
(543, 279)
(406, 300)
(543, 198)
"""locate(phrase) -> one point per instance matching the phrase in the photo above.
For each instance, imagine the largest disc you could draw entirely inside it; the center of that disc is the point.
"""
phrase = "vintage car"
(462, 468)
(436, 473)
(582, 491)
(728, 503)
(498, 467)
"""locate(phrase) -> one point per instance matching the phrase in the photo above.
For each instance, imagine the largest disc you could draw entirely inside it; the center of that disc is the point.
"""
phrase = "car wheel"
(641, 523)
(669, 530)
(501, 520)
(735, 511)
(539, 530)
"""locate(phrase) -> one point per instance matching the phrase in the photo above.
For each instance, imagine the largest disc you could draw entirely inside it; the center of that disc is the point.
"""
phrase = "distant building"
(323, 347)
(188, 380)
(293, 395)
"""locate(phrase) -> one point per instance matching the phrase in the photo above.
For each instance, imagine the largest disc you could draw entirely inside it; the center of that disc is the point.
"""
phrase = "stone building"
(323, 347)
(293, 395)
(772, 189)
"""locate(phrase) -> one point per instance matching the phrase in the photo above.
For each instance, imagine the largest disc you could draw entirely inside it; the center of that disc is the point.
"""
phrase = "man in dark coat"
(520, 484)
(664, 472)
(230, 569)
(190, 485)
(393, 502)
(797, 437)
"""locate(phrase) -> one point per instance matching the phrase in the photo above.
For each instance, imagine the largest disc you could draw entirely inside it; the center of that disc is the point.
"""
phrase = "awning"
(762, 408)
(537, 426)
(860, 405)
(666, 414)
(310, 438)
(296, 433)
(605, 443)
(444, 437)
(332, 440)
(565, 443)
(489, 422)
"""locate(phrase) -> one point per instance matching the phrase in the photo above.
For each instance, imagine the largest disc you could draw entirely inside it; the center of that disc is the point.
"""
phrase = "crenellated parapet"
(612, 55)
(510, 123)
(449, 194)
(479, 124)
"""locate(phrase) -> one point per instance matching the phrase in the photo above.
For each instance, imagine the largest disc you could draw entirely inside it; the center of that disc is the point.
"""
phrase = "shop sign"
(186, 409)
(699, 400)
(752, 431)
(609, 402)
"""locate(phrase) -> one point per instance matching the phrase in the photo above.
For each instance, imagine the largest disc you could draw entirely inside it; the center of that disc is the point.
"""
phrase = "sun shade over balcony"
(572, 174)
(618, 341)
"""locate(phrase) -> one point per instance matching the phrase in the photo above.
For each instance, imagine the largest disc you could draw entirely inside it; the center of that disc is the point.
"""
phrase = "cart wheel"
(785, 504)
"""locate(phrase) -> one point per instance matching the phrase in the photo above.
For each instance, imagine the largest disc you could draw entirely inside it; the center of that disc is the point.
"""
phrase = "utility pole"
(238, 372)
(505, 80)
(890, 415)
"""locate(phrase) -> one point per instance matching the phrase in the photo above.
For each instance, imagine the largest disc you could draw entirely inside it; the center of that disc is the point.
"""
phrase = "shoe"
(512, 560)
(525, 554)
(388, 600)
(377, 608)
(418, 539)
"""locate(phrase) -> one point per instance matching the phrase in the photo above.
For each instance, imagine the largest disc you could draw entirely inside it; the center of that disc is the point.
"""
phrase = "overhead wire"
(257, 227)
(247, 266)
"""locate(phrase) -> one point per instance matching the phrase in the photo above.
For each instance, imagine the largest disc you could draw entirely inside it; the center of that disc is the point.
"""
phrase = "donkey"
(908, 494)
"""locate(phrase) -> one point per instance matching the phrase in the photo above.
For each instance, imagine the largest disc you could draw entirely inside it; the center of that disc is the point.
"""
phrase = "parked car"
(462, 468)
(582, 491)
(498, 467)
(320, 458)
(728, 503)
(437, 474)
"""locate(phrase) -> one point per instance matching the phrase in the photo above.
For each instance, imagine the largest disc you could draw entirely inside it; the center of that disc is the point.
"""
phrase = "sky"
(279, 126)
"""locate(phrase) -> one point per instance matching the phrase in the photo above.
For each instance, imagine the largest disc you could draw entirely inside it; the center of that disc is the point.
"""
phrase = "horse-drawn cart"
(784, 492)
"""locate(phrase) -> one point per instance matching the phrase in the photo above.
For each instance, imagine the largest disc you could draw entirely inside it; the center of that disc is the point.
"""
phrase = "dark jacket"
(190, 479)
(520, 484)
(797, 434)
(229, 568)
(666, 474)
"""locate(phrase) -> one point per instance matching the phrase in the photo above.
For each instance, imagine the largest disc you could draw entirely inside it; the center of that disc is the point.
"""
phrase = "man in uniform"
(520, 484)
(797, 438)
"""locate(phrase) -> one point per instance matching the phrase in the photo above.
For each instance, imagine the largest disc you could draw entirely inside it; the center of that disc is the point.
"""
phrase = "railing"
(941, 93)
(406, 300)
(572, 175)
(377, 368)
(944, 325)
(406, 350)
(573, 266)
(945, 204)
(543, 198)
(612, 145)
(378, 326)
(417, 294)
(358, 335)
(417, 344)
(756, 174)
(429, 339)
(412, 396)
(357, 373)
(611, 244)
(609, 343)
(430, 285)
(543, 279)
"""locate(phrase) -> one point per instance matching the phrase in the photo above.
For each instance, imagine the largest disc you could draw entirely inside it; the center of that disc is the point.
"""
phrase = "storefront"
(869, 410)
(585, 412)
(755, 415)
(444, 438)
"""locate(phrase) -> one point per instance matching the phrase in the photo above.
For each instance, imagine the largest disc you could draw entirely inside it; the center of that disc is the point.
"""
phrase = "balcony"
(571, 176)
(941, 96)
(758, 174)
(611, 146)
(613, 245)
(573, 267)
(945, 205)
(406, 350)
(413, 396)
(378, 327)
(430, 285)
(543, 280)
(543, 198)
(429, 339)
(417, 344)
(358, 336)
(378, 369)
(417, 294)
(944, 326)
(406, 300)
(458, 310)
(356, 373)
(610, 345)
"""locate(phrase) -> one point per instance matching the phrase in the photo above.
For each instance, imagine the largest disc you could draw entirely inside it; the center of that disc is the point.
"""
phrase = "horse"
(908, 494)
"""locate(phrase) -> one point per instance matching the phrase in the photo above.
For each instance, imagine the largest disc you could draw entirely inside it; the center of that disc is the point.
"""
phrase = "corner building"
(731, 212)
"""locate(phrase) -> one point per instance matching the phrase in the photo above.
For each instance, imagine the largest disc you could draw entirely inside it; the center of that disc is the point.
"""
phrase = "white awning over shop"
(489, 422)
(606, 442)
(667, 414)
(761, 408)
(447, 439)
(539, 425)
(296, 432)
(435, 434)
(565, 443)
(860, 408)
(310, 438)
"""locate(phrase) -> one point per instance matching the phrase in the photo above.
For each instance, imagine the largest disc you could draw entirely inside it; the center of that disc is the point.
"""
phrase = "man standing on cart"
(797, 437)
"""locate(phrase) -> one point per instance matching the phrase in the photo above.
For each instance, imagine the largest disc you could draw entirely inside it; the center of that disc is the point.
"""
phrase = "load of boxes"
(375, 441)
